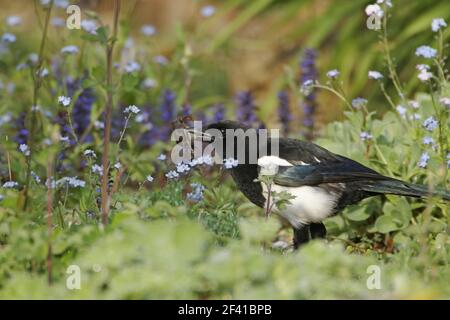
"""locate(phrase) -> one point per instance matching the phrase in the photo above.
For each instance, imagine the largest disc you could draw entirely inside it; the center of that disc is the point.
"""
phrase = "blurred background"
(258, 45)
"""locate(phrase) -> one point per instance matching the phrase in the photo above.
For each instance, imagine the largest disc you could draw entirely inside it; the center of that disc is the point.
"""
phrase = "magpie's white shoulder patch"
(273, 160)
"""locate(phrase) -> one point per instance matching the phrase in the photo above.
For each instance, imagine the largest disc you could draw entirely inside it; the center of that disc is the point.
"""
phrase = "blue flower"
(437, 24)
(359, 103)
(13, 21)
(132, 66)
(148, 30)
(423, 162)
(428, 141)
(208, 11)
(430, 124)
(8, 37)
(365, 136)
(245, 107)
(401, 110)
(219, 112)
(10, 185)
(197, 192)
(307, 79)
(70, 49)
(333, 74)
(172, 174)
(284, 112)
(426, 52)
(22, 133)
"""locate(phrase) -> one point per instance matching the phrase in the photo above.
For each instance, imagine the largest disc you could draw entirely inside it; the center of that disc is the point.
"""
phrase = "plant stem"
(49, 217)
(340, 96)
(108, 116)
(391, 68)
(37, 80)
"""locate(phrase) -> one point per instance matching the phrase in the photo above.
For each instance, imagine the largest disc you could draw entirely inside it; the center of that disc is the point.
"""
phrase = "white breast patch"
(311, 204)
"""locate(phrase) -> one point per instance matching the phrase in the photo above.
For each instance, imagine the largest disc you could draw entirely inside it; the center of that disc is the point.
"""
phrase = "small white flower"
(149, 178)
(365, 136)
(182, 168)
(148, 30)
(359, 103)
(90, 26)
(132, 109)
(90, 153)
(307, 87)
(13, 21)
(149, 83)
(426, 52)
(132, 66)
(401, 110)
(64, 101)
(430, 124)
(230, 163)
(423, 160)
(269, 167)
(118, 166)
(33, 58)
(437, 24)
(35, 177)
(445, 101)
(70, 49)
(99, 124)
(375, 75)
(424, 75)
(43, 72)
(422, 67)
(388, 2)
(374, 9)
(415, 116)
(24, 149)
(72, 182)
(414, 104)
(10, 185)
(207, 11)
(428, 140)
(161, 60)
(162, 157)
(8, 38)
(333, 74)
(172, 175)
(97, 169)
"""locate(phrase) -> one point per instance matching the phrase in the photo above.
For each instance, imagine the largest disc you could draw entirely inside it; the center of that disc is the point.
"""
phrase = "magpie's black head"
(237, 140)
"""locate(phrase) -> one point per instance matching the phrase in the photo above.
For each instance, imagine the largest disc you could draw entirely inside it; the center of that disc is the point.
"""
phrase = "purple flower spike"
(284, 112)
(309, 73)
(245, 107)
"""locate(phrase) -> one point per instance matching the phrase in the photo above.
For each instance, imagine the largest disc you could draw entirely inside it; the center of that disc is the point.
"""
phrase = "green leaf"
(385, 224)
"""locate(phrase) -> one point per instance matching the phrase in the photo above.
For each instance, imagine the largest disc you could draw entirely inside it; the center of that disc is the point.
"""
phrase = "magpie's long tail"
(404, 189)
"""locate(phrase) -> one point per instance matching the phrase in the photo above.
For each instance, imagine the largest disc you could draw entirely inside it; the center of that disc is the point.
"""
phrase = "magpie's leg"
(301, 235)
(317, 230)
(307, 232)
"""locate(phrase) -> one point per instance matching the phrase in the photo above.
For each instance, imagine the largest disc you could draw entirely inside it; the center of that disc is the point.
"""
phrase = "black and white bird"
(321, 182)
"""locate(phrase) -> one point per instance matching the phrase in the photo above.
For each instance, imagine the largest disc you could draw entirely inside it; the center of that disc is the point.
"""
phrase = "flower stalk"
(105, 196)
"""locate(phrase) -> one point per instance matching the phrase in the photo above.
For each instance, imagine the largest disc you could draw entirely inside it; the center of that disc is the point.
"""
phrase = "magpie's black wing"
(336, 172)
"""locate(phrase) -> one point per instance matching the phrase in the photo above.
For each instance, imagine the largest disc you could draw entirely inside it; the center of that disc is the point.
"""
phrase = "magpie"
(321, 183)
